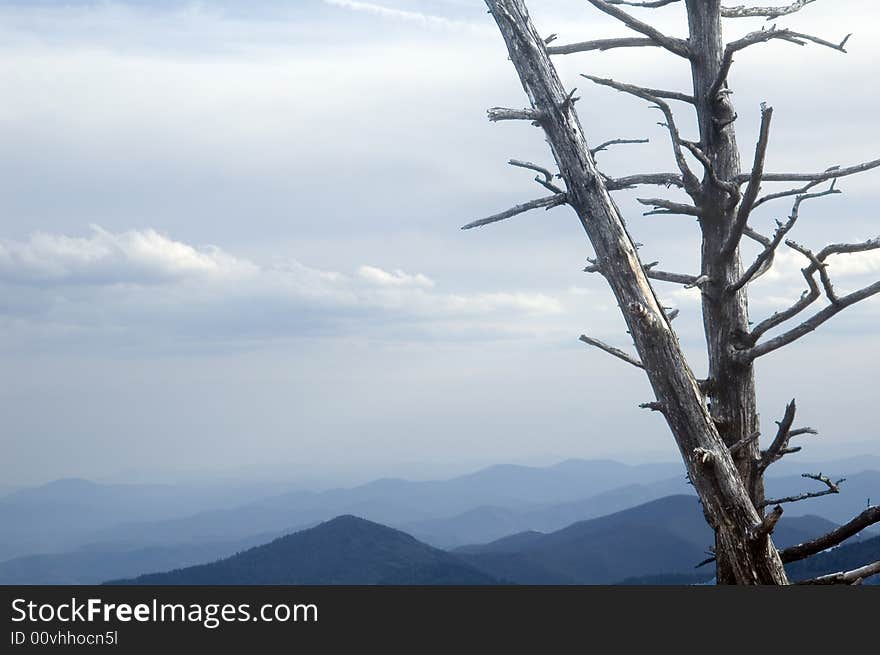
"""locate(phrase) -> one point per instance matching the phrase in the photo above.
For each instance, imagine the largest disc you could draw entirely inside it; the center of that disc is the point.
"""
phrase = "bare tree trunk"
(725, 315)
(742, 535)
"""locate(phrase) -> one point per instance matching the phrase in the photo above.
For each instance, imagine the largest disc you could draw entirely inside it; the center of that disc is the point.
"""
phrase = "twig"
(763, 36)
(615, 142)
(545, 203)
(611, 350)
(764, 260)
(833, 488)
(545, 178)
(663, 206)
(784, 434)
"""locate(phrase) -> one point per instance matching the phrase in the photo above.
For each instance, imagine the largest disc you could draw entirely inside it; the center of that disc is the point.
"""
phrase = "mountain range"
(80, 532)
(655, 543)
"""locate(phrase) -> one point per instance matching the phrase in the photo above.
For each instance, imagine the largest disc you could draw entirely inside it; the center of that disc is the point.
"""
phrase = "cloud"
(416, 17)
(396, 279)
(142, 278)
(135, 256)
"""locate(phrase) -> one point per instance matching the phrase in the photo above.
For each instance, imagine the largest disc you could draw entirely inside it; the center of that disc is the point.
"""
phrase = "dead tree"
(714, 421)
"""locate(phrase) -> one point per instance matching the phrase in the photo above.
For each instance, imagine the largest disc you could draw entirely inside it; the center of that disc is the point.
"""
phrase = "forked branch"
(833, 488)
(765, 258)
(677, 46)
(689, 180)
(809, 325)
(780, 446)
(763, 36)
(544, 177)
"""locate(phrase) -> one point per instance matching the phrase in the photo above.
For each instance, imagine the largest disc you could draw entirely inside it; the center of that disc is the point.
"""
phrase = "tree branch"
(784, 434)
(602, 45)
(649, 5)
(504, 114)
(809, 325)
(663, 206)
(763, 36)
(806, 299)
(689, 180)
(765, 257)
(631, 181)
(789, 192)
(745, 441)
(837, 536)
(833, 488)
(689, 281)
(615, 142)
(545, 179)
(730, 188)
(765, 528)
(769, 12)
(664, 276)
(643, 92)
(827, 174)
(820, 266)
(611, 350)
(764, 260)
(754, 186)
(846, 577)
(679, 47)
(547, 203)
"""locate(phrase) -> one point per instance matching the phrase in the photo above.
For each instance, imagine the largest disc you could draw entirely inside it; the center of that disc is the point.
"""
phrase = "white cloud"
(141, 277)
(135, 256)
(416, 17)
(395, 279)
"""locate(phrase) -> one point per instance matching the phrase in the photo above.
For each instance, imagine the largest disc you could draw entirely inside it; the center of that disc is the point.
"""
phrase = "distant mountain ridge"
(64, 515)
(344, 550)
(665, 536)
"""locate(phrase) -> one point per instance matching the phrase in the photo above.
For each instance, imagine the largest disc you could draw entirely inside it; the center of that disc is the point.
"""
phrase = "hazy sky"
(229, 238)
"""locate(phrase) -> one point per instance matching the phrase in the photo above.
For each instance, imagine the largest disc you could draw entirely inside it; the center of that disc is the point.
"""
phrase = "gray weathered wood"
(714, 421)
(726, 500)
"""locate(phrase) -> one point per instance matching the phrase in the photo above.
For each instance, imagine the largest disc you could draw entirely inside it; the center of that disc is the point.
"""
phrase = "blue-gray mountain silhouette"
(344, 550)
(662, 537)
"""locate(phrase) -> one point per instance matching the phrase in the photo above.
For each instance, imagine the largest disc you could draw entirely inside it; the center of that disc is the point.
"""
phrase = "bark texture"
(725, 315)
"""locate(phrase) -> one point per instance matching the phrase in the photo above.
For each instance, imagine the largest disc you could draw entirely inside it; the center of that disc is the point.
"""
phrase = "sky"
(229, 239)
